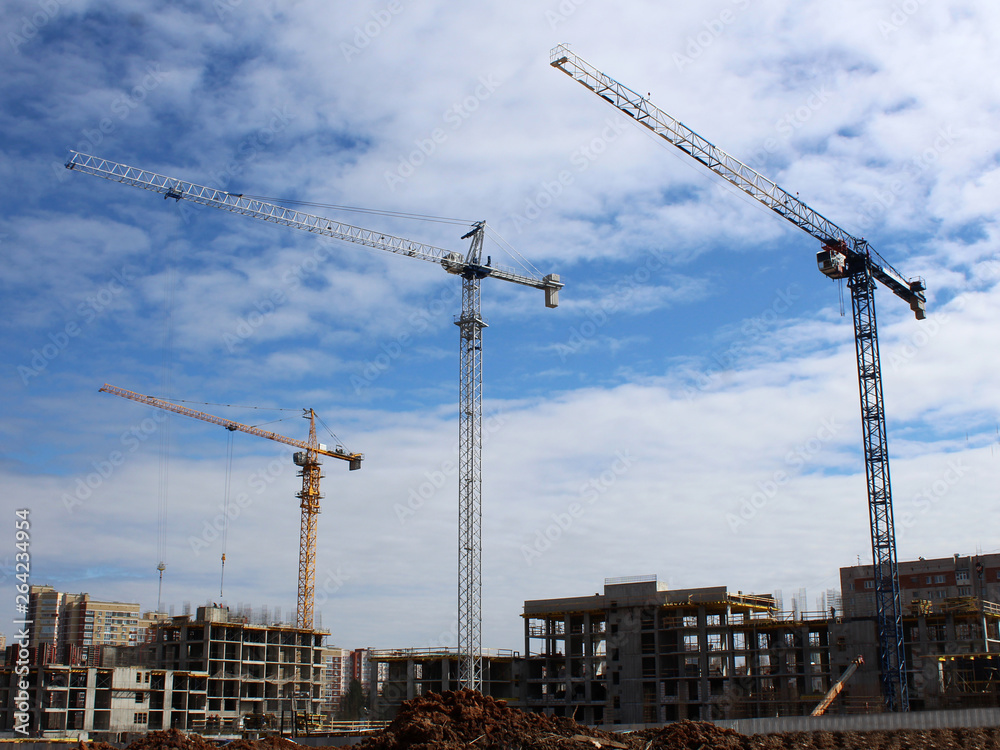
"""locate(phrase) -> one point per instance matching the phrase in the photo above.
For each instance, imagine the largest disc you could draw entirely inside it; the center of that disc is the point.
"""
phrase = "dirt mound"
(690, 735)
(95, 746)
(466, 718)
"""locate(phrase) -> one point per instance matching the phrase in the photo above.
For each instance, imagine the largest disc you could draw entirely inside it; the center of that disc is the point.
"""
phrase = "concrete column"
(703, 692)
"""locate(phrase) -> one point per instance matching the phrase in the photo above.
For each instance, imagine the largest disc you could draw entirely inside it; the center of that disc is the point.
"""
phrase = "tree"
(353, 704)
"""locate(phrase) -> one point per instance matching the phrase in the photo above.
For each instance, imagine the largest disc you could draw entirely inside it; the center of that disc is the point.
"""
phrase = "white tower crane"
(470, 323)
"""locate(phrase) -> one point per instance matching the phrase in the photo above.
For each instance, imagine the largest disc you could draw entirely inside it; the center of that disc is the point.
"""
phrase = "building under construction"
(248, 669)
(640, 653)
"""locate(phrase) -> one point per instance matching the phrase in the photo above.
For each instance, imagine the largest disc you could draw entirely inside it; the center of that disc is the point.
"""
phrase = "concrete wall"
(970, 717)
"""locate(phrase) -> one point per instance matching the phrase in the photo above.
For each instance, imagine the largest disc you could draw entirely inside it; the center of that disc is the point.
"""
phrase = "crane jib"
(747, 179)
(171, 187)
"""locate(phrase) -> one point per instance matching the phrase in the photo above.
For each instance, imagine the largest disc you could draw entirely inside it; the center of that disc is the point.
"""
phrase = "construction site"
(907, 655)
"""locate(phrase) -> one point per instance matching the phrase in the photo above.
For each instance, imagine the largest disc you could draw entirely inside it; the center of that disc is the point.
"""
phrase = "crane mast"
(470, 480)
(470, 323)
(309, 496)
(842, 256)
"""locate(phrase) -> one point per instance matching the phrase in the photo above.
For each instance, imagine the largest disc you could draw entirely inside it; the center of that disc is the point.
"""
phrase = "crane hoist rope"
(843, 256)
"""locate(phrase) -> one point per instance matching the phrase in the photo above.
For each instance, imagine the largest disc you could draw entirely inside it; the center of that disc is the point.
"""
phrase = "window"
(961, 575)
(965, 590)
(928, 581)
(140, 698)
(139, 718)
(869, 584)
(138, 676)
(939, 579)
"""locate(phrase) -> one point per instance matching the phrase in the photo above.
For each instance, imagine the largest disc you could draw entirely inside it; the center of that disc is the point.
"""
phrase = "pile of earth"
(468, 719)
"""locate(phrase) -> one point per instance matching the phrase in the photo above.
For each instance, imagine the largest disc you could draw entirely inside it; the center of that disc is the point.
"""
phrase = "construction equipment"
(834, 691)
(473, 270)
(307, 459)
(842, 256)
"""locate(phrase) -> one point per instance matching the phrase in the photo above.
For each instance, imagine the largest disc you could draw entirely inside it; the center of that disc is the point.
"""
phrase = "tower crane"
(308, 461)
(843, 256)
(472, 270)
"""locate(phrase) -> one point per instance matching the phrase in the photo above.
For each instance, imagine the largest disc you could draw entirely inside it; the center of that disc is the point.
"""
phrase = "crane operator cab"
(832, 260)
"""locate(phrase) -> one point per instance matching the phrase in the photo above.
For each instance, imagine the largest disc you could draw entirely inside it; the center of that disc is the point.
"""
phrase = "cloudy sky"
(691, 408)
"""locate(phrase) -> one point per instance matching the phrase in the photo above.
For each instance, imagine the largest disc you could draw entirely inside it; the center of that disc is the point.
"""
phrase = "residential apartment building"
(925, 583)
(336, 677)
(72, 628)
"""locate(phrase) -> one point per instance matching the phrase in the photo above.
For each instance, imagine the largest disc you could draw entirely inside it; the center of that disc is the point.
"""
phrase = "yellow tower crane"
(309, 497)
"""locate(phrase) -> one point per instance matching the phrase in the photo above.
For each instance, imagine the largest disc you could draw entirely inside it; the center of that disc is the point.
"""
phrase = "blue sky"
(698, 361)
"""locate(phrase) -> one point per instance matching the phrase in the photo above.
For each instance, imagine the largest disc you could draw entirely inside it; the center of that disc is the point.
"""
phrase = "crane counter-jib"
(171, 187)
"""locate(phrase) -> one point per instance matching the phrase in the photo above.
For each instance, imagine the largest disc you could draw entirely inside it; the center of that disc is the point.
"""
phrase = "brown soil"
(467, 719)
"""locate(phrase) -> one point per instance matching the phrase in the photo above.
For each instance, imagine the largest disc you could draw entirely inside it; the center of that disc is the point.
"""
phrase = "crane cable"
(225, 508)
(356, 209)
(494, 235)
(163, 469)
